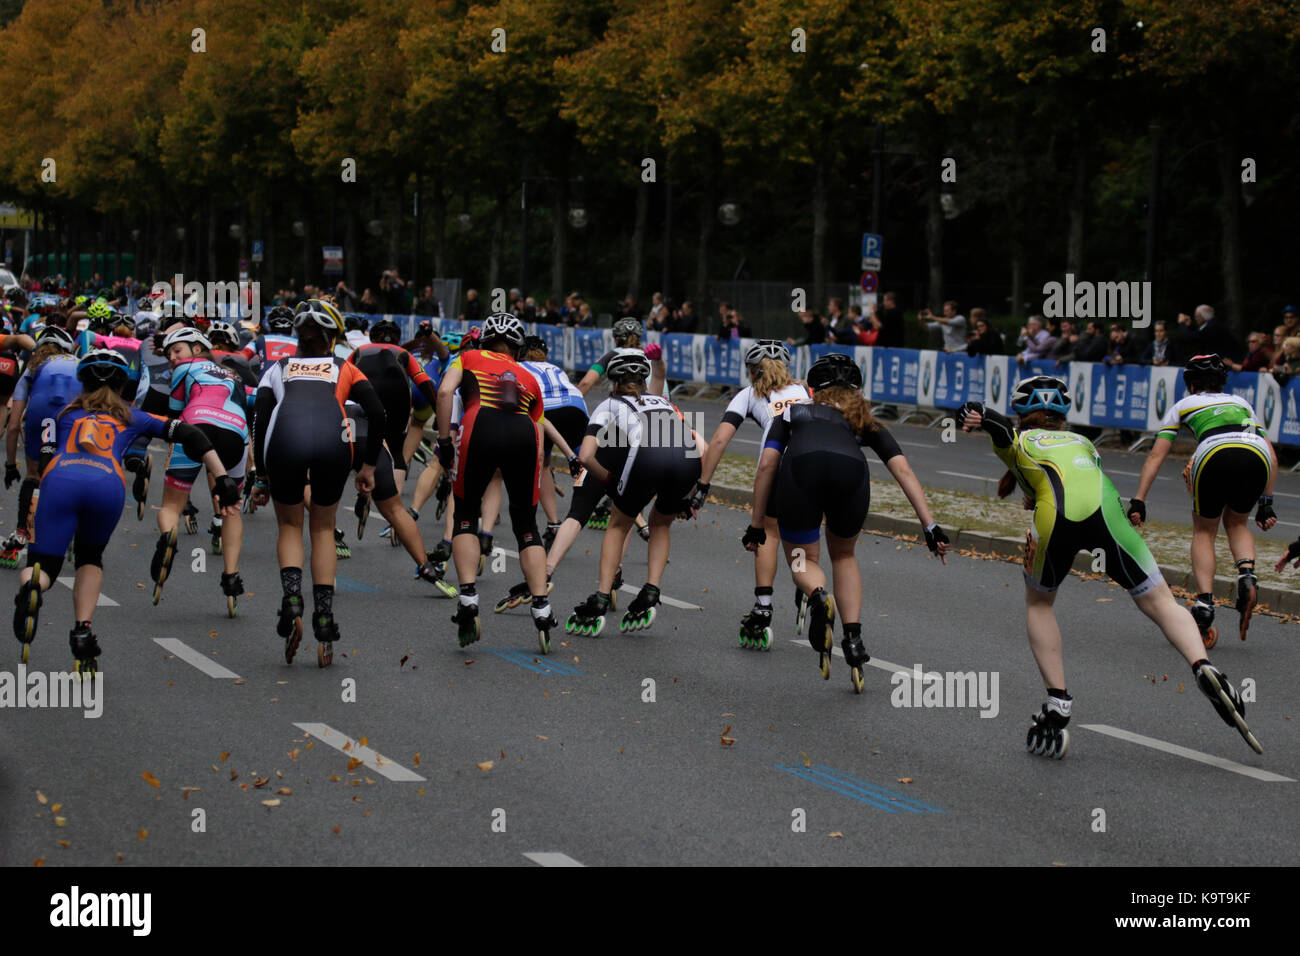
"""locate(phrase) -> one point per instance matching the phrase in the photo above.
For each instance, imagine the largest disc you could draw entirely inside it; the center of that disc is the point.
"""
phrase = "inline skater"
(434, 478)
(771, 390)
(500, 429)
(84, 490)
(211, 398)
(45, 388)
(658, 460)
(1076, 508)
(565, 409)
(812, 457)
(277, 341)
(10, 373)
(1232, 469)
(300, 430)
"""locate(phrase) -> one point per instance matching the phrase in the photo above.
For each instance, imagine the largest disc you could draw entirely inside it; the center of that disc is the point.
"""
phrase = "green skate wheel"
(744, 638)
(569, 624)
(447, 589)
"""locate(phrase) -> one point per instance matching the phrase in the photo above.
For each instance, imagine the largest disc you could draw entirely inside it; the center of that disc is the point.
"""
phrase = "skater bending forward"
(1075, 508)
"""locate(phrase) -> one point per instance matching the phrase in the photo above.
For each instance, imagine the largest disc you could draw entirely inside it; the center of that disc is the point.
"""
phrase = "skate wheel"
(157, 593)
(448, 590)
(1211, 637)
(392, 540)
(569, 624)
(216, 545)
(597, 628)
(856, 676)
(230, 605)
(27, 652)
(292, 641)
(767, 639)
(324, 654)
(1064, 747)
(544, 642)
(744, 639)
(824, 662)
(502, 605)
(482, 563)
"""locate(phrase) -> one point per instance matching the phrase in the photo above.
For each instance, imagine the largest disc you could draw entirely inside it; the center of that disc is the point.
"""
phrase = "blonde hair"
(771, 376)
(1291, 345)
(850, 403)
(629, 386)
(43, 353)
(630, 341)
(535, 355)
(103, 400)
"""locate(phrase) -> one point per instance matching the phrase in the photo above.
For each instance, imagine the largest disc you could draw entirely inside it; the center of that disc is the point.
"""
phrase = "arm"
(587, 455)
(713, 453)
(764, 478)
(557, 439)
(588, 380)
(15, 425)
(364, 394)
(1150, 468)
(907, 480)
(445, 399)
(262, 409)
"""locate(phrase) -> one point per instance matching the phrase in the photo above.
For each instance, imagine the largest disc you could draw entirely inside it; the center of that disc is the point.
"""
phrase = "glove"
(446, 453)
(934, 537)
(1137, 506)
(226, 491)
(754, 535)
(654, 352)
(11, 474)
(1265, 510)
(1292, 552)
(977, 407)
(699, 495)
(575, 467)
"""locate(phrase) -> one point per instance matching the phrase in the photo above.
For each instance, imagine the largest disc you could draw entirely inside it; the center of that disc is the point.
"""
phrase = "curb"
(1271, 598)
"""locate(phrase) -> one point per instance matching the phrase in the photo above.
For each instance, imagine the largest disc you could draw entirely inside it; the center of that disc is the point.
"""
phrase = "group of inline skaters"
(286, 419)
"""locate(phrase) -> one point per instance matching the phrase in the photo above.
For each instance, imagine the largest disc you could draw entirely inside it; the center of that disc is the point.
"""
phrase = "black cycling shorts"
(297, 456)
(665, 474)
(385, 483)
(571, 422)
(817, 484)
(395, 396)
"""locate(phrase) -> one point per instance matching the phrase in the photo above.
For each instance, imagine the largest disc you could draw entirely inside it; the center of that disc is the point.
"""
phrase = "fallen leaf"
(56, 808)
(63, 843)
(224, 756)
(417, 760)
(348, 745)
(366, 814)
(542, 737)
(364, 741)
(904, 779)
(274, 802)
(806, 761)
(1104, 600)
(310, 744)
(837, 835)
(261, 781)
(233, 775)
(151, 779)
(120, 858)
(60, 821)
(728, 715)
(422, 790)
(335, 777)
(39, 861)
(485, 765)
(353, 764)
(214, 768)
(142, 834)
(336, 831)
(727, 741)
(241, 681)
(576, 660)
(467, 663)
(40, 797)
(212, 634)
(370, 782)
(402, 662)
(285, 791)
(503, 755)
(278, 775)
(243, 786)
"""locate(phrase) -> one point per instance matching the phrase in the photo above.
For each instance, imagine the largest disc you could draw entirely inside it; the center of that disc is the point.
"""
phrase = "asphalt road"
(742, 757)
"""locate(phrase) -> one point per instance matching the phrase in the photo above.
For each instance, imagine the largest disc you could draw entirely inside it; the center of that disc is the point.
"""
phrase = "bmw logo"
(1270, 403)
(997, 384)
(1162, 398)
(925, 381)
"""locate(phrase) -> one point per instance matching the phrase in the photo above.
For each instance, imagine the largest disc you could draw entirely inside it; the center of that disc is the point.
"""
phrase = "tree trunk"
(438, 202)
(1017, 281)
(395, 200)
(212, 238)
(1230, 222)
(638, 239)
(667, 284)
(494, 254)
(934, 244)
(1078, 211)
(820, 205)
(350, 250)
(704, 307)
(560, 230)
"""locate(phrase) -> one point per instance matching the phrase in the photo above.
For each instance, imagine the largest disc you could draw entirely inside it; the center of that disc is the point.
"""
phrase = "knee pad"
(26, 495)
(467, 516)
(50, 564)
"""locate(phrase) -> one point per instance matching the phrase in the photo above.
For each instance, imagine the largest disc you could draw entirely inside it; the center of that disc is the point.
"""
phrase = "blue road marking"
(535, 663)
(869, 793)
(352, 584)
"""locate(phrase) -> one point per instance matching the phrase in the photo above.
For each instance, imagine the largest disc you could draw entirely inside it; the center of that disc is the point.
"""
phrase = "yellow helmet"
(321, 314)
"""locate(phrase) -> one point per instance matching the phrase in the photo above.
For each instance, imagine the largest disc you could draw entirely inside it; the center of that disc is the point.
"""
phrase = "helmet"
(503, 325)
(16, 296)
(453, 341)
(767, 348)
(834, 369)
(60, 337)
(625, 328)
(384, 328)
(220, 329)
(185, 334)
(320, 314)
(103, 367)
(628, 363)
(352, 322)
(534, 342)
(100, 314)
(280, 319)
(146, 324)
(172, 309)
(1040, 393)
(1205, 372)
(81, 299)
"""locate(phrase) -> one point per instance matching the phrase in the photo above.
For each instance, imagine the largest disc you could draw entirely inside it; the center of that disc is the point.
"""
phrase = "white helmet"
(503, 325)
(186, 334)
(628, 363)
(767, 348)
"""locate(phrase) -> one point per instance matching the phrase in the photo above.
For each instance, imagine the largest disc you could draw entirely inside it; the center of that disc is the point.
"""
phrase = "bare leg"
(425, 485)
(657, 553)
(1204, 531)
(85, 591)
(1240, 541)
(847, 577)
(288, 546)
(169, 515)
(404, 526)
(1045, 636)
(611, 548)
(807, 573)
(324, 558)
(1174, 620)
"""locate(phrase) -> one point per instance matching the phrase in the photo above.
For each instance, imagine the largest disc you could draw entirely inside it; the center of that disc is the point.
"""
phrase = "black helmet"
(16, 296)
(834, 369)
(280, 320)
(532, 342)
(625, 328)
(385, 330)
(1205, 373)
(352, 322)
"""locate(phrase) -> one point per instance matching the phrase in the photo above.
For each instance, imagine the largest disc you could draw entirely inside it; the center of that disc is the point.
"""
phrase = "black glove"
(968, 407)
(1292, 551)
(446, 453)
(754, 535)
(1262, 515)
(699, 495)
(575, 467)
(934, 537)
(11, 474)
(1139, 507)
(226, 490)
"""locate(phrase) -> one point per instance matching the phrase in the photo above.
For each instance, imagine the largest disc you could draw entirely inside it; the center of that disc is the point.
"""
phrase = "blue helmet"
(1040, 393)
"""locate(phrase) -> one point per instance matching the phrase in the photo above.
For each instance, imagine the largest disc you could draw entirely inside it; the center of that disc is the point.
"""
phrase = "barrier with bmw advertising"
(1130, 397)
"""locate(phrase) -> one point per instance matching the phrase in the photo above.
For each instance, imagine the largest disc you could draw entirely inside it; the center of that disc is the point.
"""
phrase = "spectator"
(685, 320)
(1063, 350)
(585, 319)
(1034, 342)
(733, 327)
(1291, 320)
(426, 304)
(344, 298)
(1279, 336)
(840, 329)
(369, 305)
(473, 313)
(951, 323)
(629, 307)
(529, 313)
(659, 316)
(986, 340)
(1122, 350)
(890, 317)
(1161, 350)
(1259, 355)
(1206, 334)
(1290, 364)
(814, 331)
(1092, 343)
(867, 329)
(552, 314)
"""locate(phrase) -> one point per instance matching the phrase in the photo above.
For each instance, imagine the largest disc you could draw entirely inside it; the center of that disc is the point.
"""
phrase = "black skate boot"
(1203, 613)
(588, 618)
(484, 550)
(1227, 702)
(756, 628)
(642, 611)
(191, 516)
(27, 609)
(362, 511)
(326, 633)
(543, 620)
(1247, 593)
(231, 586)
(289, 625)
(1047, 736)
(855, 654)
(467, 622)
(163, 555)
(85, 650)
(821, 628)
(214, 529)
